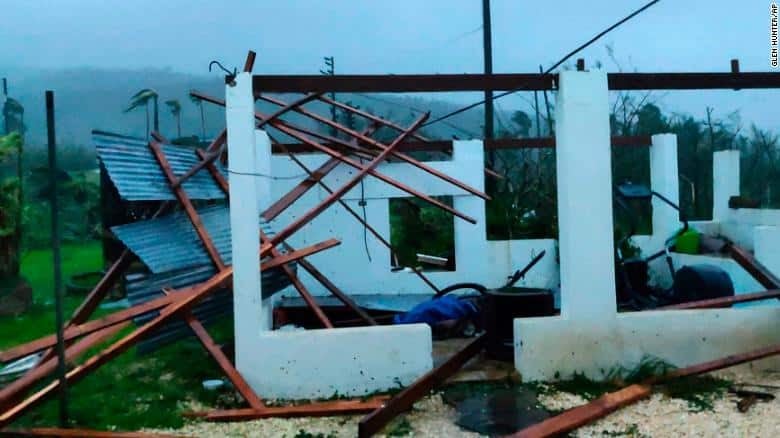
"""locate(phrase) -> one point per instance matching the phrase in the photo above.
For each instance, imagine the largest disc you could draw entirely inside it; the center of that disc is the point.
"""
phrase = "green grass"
(129, 392)
(37, 270)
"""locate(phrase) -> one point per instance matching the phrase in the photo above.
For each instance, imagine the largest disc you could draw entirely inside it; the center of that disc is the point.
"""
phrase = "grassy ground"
(129, 392)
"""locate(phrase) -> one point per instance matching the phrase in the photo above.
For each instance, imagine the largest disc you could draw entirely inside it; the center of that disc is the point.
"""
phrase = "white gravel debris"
(657, 416)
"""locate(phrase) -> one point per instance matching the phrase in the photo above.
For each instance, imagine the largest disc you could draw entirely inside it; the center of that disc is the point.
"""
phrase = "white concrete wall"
(555, 348)
(314, 364)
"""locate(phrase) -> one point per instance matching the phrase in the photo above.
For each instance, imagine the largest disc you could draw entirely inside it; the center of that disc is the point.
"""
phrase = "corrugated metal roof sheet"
(180, 248)
(142, 288)
(137, 176)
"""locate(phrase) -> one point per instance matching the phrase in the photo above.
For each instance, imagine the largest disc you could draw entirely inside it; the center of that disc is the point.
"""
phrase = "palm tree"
(175, 108)
(142, 98)
(197, 101)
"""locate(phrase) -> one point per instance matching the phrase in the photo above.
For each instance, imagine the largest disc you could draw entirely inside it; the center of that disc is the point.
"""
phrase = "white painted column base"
(556, 348)
(315, 364)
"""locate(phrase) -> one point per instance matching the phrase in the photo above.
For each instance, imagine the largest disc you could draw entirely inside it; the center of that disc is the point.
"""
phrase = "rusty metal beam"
(292, 106)
(182, 303)
(189, 209)
(724, 301)
(403, 401)
(213, 150)
(213, 349)
(389, 124)
(316, 409)
(15, 389)
(760, 272)
(305, 294)
(585, 414)
(344, 159)
(53, 432)
(249, 64)
(338, 293)
(365, 224)
(370, 141)
(307, 217)
(299, 190)
(86, 328)
(504, 82)
(490, 144)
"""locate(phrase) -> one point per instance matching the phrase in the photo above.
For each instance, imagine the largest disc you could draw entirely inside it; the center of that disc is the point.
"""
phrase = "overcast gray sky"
(399, 36)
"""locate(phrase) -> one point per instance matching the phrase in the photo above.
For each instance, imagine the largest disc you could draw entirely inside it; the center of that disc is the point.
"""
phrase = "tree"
(523, 122)
(10, 208)
(198, 102)
(175, 108)
(142, 98)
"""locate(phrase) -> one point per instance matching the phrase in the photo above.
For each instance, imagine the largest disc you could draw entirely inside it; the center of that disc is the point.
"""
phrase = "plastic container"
(688, 242)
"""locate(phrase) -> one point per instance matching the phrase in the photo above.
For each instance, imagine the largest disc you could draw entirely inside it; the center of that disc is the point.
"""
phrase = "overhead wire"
(550, 69)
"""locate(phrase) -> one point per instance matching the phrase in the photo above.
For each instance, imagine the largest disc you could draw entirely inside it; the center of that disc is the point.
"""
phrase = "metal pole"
(487, 49)
(55, 246)
(330, 70)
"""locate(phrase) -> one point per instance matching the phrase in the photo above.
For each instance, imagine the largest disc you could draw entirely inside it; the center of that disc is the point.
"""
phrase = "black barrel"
(503, 306)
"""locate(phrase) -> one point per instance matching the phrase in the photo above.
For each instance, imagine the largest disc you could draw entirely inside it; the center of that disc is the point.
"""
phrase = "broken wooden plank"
(403, 401)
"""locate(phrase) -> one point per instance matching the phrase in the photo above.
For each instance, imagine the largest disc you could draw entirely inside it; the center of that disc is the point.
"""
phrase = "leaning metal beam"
(500, 82)
(344, 159)
(365, 224)
(585, 414)
(299, 190)
(307, 217)
(388, 124)
(315, 409)
(181, 302)
(724, 301)
(15, 389)
(86, 328)
(305, 294)
(370, 141)
(219, 356)
(403, 401)
(184, 200)
(753, 267)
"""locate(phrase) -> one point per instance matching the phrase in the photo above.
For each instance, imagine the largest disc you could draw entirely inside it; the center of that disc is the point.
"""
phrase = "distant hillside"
(89, 99)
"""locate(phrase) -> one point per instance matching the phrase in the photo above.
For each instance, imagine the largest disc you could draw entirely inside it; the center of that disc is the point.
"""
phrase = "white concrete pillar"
(470, 239)
(766, 241)
(249, 317)
(664, 179)
(725, 182)
(584, 175)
